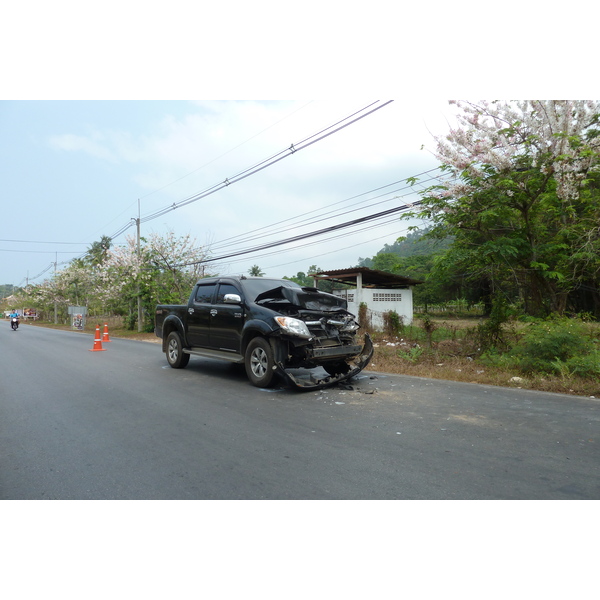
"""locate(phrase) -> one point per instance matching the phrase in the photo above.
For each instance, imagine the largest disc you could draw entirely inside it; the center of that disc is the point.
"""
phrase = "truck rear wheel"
(175, 354)
(259, 363)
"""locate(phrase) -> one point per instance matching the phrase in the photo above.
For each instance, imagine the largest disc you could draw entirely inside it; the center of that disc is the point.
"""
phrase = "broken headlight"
(293, 326)
(347, 325)
(351, 326)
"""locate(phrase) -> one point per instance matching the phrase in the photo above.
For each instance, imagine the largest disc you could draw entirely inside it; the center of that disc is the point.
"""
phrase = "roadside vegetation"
(557, 354)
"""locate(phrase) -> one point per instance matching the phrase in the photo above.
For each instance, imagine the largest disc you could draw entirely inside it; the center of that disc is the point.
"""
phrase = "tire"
(259, 363)
(175, 354)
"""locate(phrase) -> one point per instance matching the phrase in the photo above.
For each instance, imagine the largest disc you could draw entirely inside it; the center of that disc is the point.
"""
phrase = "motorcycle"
(14, 323)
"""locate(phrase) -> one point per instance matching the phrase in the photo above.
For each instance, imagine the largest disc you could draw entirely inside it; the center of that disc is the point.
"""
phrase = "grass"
(448, 350)
(451, 353)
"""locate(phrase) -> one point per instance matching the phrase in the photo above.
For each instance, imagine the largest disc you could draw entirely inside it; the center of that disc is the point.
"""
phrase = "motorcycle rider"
(14, 315)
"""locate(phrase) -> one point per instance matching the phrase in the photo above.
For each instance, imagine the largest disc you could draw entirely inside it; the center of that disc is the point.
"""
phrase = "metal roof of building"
(370, 277)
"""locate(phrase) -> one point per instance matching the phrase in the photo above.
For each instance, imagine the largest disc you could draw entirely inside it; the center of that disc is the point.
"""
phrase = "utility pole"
(55, 304)
(139, 296)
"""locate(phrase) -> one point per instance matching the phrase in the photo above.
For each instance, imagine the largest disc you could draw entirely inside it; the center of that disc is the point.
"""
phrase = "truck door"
(198, 318)
(226, 321)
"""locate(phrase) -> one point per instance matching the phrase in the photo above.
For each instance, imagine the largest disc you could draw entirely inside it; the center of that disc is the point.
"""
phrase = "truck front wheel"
(175, 354)
(259, 362)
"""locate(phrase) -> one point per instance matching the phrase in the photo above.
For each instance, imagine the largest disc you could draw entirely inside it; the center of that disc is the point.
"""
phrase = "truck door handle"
(190, 310)
(213, 312)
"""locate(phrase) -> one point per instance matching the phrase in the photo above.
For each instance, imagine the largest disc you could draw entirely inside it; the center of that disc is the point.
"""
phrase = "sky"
(73, 171)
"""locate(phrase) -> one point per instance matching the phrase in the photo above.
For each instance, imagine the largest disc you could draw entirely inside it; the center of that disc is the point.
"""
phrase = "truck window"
(226, 288)
(204, 293)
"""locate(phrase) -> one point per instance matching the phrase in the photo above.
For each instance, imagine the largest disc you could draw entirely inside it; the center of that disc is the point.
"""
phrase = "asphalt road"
(121, 424)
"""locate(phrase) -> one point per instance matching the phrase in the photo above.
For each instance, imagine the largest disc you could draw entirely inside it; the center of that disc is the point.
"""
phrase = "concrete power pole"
(139, 296)
(55, 304)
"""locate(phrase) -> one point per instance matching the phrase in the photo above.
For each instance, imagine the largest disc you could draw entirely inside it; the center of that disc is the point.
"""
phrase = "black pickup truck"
(272, 326)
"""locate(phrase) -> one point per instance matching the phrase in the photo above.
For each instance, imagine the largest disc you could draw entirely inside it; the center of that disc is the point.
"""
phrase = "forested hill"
(414, 244)
(6, 290)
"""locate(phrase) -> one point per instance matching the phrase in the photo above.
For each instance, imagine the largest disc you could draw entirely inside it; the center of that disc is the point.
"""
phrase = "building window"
(348, 297)
(386, 297)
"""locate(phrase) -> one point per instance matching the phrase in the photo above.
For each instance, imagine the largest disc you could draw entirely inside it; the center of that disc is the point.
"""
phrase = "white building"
(380, 291)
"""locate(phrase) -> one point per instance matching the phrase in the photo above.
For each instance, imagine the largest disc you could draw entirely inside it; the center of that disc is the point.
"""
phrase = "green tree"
(414, 243)
(255, 271)
(98, 251)
(386, 261)
(524, 206)
(305, 280)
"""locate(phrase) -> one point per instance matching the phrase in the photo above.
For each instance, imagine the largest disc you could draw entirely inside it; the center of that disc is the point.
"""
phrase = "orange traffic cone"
(97, 342)
(105, 337)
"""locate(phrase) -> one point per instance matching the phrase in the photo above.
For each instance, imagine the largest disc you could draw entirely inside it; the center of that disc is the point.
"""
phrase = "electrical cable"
(38, 242)
(240, 238)
(37, 251)
(397, 233)
(268, 161)
(324, 133)
(306, 235)
(332, 228)
(326, 240)
(225, 153)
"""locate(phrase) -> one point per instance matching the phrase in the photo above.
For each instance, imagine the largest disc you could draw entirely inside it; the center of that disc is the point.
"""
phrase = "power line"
(39, 242)
(291, 219)
(333, 251)
(348, 224)
(327, 240)
(306, 235)
(375, 216)
(44, 271)
(294, 147)
(37, 251)
(267, 162)
(323, 217)
(225, 153)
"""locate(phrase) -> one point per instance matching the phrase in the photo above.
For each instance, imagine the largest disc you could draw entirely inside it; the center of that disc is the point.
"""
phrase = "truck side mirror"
(232, 299)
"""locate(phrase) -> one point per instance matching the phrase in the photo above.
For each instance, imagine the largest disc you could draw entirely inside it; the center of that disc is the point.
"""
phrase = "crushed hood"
(306, 297)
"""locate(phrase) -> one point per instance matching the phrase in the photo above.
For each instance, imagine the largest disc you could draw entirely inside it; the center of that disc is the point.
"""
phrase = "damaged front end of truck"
(314, 330)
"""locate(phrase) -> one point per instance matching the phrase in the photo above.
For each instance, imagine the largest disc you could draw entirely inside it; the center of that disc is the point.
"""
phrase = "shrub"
(587, 366)
(429, 326)
(491, 333)
(363, 317)
(393, 323)
(412, 354)
(557, 346)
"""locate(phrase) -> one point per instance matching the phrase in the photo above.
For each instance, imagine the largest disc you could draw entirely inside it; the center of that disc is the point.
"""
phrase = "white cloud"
(94, 146)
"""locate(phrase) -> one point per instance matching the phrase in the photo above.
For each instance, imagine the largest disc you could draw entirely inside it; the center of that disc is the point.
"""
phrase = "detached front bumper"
(357, 364)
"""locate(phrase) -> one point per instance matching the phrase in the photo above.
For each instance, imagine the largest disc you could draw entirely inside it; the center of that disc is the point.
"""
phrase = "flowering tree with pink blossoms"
(109, 281)
(162, 272)
(524, 204)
